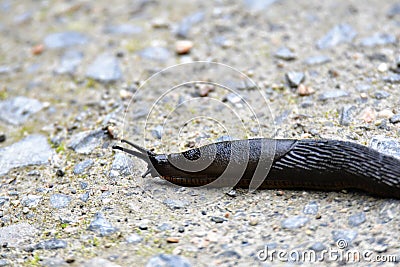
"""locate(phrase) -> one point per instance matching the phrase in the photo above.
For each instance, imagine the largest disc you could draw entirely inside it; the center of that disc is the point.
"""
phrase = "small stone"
(85, 196)
(348, 235)
(181, 229)
(123, 29)
(204, 89)
(232, 193)
(187, 23)
(395, 119)
(164, 227)
(378, 39)
(380, 248)
(317, 60)
(394, 10)
(85, 142)
(134, 239)
(258, 5)
(386, 114)
(395, 78)
(175, 203)
(217, 219)
(253, 221)
(233, 98)
(156, 53)
(342, 33)
(311, 208)
(381, 94)
(318, 247)
(304, 90)
(37, 49)
(80, 167)
(122, 165)
(385, 145)
(157, 131)
(230, 254)
(357, 219)
(295, 78)
(346, 115)
(285, 54)
(70, 60)
(183, 47)
(18, 110)
(368, 115)
(105, 68)
(144, 224)
(60, 172)
(17, 235)
(31, 201)
(2, 137)
(172, 239)
(3, 262)
(59, 201)
(101, 225)
(168, 260)
(383, 67)
(294, 222)
(65, 39)
(332, 94)
(3, 200)
(51, 244)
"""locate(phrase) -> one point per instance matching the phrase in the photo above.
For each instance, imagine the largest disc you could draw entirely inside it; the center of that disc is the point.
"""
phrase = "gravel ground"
(76, 76)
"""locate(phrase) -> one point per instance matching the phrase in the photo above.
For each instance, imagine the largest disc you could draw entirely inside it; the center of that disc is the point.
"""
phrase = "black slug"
(278, 163)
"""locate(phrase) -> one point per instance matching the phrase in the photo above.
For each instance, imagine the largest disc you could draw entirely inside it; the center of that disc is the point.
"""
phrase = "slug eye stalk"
(142, 154)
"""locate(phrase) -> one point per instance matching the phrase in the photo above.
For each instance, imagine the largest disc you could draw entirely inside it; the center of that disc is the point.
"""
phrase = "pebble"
(2, 137)
(184, 27)
(394, 10)
(253, 221)
(144, 224)
(85, 142)
(37, 49)
(123, 29)
(348, 235)
(231, 254)
(4, 262)
(172, 239)
(70, 60)
(383, 67)
(122, 165)
(17, 110)
(381, 94)
(134, 239)
(59, 201)
(378, 39)
(164, 227)
(166, 260)
(217, 219)
(156, 53)
(105, 68)
(80, 167)
(183, 47)
(175, 203)
(303, 90)
(385, 145)
(346, 115)
(311, 208)
(342, 33)
(65, 39)
(99, 262)
(157, 131)
(32, 150)
(285, 54)
(294, 78)
(357, 219)
(31, 201)
(332, 94)
(318, 247)
(17, 235)
(317, 60)
(85, 196)
(50, 244)
(3, 200)
(232, 192)
(294, 222)
(394, 78)
(101, 225)
(395, 119)
(258, 5)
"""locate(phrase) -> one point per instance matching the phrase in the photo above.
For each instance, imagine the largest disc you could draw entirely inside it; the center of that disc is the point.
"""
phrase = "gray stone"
(165, 260)
(17, 110)
(332, 94)
(224, 138)
(311, 208)
(134, 239)
(357, 219)
(164, 227)
(85, 196)
(70, 60)
(395, 119)
(31, 201)
(122, 29)
(4, 69)
(32, 150)
(347, 235)
(86, 142)
(105, 68)
(385, 145)
(183, 29)
(175, 203)
(157, 131)
(258, 5)
(17, 235)
(80, 167)
(317, 60)
(155, 53)
(346, 115)
(342, 33)
(394, 78)
(318, 247)
(294, 222)
(99, 262)
(381, 94)
(3, 263)
(217, 219)
(285, 54)
(59, 201)
(51, 244)
(231, 254)
(295, 78)
(378, 39)
(122, 165)
(101, 225)
(65, 39)
(394, 10)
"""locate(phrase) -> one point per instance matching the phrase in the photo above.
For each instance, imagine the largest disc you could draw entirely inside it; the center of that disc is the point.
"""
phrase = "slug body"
(278, 163)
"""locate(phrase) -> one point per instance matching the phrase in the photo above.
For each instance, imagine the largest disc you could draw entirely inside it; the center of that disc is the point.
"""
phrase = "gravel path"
(76, 76)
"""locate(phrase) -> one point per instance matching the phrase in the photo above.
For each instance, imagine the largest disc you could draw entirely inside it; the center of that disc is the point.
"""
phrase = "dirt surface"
(94, 72)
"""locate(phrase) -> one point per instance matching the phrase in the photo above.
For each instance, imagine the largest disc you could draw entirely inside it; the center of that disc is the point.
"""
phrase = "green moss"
(35, 261)
(60, 148)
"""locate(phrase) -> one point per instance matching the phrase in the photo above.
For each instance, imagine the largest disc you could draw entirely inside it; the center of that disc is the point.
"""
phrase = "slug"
(264, 163)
